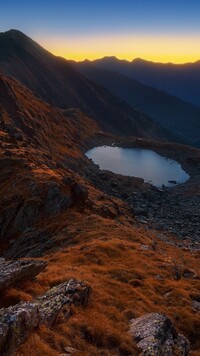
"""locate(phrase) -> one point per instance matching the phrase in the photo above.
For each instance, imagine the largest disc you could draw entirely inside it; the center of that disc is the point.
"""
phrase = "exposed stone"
(176, 272)
(69, 350)
(55, 200)
(80, 192)
(26, 216)
(140, 211)
(18, 321)
(33, 243)
(187, 273)
(196, 305)
(107, 212)
(155, 335)
(196, 302)
(11, 273)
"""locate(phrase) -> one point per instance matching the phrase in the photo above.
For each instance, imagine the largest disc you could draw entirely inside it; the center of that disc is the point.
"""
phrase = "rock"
(140, 211)
(188, 273)
(69, 350)
(56, 201)
(26, 216)
(155, 335)
(11, 273)
(33, 243)
(69, 181)
(2, 261)
(172, 181)
(107, 212)
(18, 321)
(176, 273)
(80, 192)
(114, 184)
(196, 305)
(196, 302)
(18, 136)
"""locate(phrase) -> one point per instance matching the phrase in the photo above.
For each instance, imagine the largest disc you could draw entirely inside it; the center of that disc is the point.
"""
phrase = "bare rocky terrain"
(175, 210)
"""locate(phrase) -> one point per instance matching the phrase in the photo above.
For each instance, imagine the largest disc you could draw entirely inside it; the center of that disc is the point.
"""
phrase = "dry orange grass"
(131, 273)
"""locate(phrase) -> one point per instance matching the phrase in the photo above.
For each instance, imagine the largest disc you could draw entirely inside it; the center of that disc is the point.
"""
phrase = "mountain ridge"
(181, 80)
(56, 81)
(176, 115)
(133, 245)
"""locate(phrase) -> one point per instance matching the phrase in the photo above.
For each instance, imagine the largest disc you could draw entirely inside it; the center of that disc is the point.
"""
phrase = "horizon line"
(128, 60)
(91, 58)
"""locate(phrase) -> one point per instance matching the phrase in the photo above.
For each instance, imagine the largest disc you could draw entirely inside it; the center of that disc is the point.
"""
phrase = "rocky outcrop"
(33, 243)
(56, 201)
(155, 335)
(18, 321)
(80, 192)
(11, 273)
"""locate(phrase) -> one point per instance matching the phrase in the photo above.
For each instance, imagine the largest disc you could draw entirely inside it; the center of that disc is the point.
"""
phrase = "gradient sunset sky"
(157, 30)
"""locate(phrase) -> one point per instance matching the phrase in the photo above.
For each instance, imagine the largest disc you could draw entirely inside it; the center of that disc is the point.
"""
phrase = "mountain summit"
(56, 81)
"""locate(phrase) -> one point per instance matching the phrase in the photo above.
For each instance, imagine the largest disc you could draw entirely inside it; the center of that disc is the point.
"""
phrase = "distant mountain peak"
(110, 58)
(14, 33)
(57, 82)
(138, 60)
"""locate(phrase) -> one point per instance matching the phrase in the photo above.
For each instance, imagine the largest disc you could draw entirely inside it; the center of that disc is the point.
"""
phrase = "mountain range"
(174, 114)
(181, 80)
(68, 228)
(57, 82)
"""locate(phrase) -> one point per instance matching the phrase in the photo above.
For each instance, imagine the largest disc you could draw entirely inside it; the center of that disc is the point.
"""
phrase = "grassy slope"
(130, 271)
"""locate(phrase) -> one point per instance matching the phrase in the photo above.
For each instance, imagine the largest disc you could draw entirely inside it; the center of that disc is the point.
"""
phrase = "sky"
(157, 30)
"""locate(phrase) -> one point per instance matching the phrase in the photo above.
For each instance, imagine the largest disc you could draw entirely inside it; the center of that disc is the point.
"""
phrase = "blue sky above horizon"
(152, 29)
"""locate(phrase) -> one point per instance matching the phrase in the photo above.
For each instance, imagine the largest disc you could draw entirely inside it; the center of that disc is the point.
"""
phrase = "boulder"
(11, 273)
(137, 211)
(80, 192)
(155, 335)
(17, 322)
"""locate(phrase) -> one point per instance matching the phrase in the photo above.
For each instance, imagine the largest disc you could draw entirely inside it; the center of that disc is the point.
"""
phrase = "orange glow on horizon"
(175, 49)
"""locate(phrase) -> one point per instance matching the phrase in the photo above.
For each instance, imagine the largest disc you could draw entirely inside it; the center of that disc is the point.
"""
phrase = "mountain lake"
(142, 163)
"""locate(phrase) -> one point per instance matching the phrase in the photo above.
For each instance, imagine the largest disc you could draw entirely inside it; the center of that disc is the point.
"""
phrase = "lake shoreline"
(175, 211)
(159, 171)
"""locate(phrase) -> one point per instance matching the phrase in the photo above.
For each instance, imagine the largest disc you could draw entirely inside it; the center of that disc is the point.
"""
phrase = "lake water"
(137, 162)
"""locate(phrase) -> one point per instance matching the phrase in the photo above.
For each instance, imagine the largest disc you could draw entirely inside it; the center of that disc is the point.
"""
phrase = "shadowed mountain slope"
(57, 206)
(56, 81)
(181, 80)
(29, 121)
(176, 115)
(37, 144)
